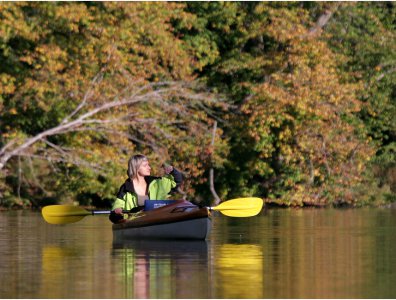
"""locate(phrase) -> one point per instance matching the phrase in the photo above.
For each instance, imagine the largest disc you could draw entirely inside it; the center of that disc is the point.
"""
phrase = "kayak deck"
(179, 220)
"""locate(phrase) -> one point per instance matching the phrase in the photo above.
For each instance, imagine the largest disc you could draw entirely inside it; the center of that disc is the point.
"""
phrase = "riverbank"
(268, 204)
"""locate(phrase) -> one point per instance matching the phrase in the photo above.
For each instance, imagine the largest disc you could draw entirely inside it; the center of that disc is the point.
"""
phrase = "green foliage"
(368, 43)
(305, 109)
(294, 134)
(63, 60)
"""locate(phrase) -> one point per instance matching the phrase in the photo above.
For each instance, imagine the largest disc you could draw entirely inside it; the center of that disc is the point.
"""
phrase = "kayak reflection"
(162, 268)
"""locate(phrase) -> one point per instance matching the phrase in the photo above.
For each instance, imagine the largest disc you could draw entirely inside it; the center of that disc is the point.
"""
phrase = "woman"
(140, 186)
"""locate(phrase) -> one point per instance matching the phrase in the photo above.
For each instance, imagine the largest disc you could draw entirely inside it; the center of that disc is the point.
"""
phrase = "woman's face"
(144, 169)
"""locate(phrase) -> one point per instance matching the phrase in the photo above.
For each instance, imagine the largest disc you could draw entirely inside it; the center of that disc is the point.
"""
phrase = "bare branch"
(78, 162)
(211, 171)
(382, 75)
(323, 20)
(35, 179)
(98, 78)
(131, 95)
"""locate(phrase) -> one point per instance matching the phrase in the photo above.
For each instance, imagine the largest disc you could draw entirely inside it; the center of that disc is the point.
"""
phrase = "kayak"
(178, 220)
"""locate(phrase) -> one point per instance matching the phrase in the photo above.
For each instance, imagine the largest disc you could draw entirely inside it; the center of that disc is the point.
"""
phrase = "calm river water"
(282, 253)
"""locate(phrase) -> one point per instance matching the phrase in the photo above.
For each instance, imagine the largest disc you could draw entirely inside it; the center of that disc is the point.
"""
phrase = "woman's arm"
(177, 176)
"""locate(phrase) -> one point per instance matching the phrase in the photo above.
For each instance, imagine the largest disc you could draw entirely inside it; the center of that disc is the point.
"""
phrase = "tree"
(364, 33)
(294, 136)
(86, 84)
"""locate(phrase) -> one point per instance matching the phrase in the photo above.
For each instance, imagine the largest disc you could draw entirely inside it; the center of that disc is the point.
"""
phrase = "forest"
(293, 102)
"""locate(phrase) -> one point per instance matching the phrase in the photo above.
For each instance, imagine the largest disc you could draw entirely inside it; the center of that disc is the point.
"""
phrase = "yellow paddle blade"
(63, 214)
(240, 207)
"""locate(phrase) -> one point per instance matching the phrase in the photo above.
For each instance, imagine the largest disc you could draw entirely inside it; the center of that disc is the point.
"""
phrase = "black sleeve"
(178, 176)
(121, 192)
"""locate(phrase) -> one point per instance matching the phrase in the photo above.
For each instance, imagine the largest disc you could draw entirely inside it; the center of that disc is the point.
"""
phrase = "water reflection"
(55, 270)
(330, 254)
(162, 269)
(284, 254)
(239, 271)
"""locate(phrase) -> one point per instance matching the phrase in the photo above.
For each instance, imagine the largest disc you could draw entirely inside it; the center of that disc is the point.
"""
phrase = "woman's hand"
(167, 168)
(118, 211)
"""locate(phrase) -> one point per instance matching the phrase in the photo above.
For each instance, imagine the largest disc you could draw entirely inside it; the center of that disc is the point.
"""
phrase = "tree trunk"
(211, 171)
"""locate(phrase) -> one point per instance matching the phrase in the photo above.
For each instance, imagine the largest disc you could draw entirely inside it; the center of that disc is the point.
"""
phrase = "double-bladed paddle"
(65, 214)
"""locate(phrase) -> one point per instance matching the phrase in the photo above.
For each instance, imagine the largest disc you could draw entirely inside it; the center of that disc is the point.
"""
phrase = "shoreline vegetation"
(267, 205)
(293, 102)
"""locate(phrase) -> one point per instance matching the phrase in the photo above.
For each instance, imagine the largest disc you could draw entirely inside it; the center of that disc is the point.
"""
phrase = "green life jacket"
(158, 189)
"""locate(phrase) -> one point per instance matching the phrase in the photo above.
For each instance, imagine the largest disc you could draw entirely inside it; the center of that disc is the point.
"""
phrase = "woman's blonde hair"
(134, 164)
